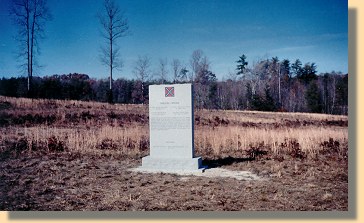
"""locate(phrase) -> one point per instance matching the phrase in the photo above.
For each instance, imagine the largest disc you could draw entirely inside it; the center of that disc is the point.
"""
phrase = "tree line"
(266, 85)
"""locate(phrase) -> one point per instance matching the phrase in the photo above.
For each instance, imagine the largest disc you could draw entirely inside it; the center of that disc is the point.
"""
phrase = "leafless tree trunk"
(30, 17)
(279, 86)
(163, 72)
(176, 67)
(195, 62)
(142, 72)
(333, 90)
(114, 26)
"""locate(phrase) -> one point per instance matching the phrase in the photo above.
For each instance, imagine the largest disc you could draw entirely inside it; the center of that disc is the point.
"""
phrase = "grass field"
(72, 155)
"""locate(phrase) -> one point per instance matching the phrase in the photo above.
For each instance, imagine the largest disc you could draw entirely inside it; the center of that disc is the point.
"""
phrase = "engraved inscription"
(169, 123)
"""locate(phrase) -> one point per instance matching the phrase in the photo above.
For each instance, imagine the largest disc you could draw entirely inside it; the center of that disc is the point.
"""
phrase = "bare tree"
(30, 17)
(333, 94)
(195, 63)
(114, 26)
(142, 71)
(176, 67)
(200, 77)
(163, 72)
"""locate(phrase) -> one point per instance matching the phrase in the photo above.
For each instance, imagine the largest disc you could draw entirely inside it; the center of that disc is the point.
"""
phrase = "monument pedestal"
(164, 164)
(171, 130)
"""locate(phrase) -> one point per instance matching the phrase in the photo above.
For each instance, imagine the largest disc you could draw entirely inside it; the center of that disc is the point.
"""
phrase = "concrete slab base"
(171, 165)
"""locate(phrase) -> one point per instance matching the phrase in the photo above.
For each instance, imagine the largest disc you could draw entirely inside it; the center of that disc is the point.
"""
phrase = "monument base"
(168, 165)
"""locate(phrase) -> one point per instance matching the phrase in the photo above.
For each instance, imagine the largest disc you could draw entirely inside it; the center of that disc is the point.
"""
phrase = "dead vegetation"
(72, 155)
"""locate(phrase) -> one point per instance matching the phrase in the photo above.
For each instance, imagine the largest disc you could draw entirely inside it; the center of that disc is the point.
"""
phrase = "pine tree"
(242, 63)
(313, 98)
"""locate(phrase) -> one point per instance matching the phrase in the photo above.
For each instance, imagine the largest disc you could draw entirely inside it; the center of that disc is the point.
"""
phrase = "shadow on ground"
(221, 162)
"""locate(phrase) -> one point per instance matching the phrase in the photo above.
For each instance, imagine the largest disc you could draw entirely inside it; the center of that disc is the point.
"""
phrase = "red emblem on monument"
(169, 91)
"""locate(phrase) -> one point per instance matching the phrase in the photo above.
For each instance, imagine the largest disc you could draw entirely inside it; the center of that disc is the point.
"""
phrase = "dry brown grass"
(41, 104)
(92, 127)
(106, 140)
(267, 117)
(237, 140)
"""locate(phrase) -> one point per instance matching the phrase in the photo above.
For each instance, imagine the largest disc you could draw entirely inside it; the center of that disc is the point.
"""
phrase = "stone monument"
(171, 130)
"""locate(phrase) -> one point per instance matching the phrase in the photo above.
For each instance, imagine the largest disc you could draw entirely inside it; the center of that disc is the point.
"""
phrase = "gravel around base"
(213, 173)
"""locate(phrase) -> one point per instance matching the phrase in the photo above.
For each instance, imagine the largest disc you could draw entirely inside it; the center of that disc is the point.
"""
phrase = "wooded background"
(267, 85)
